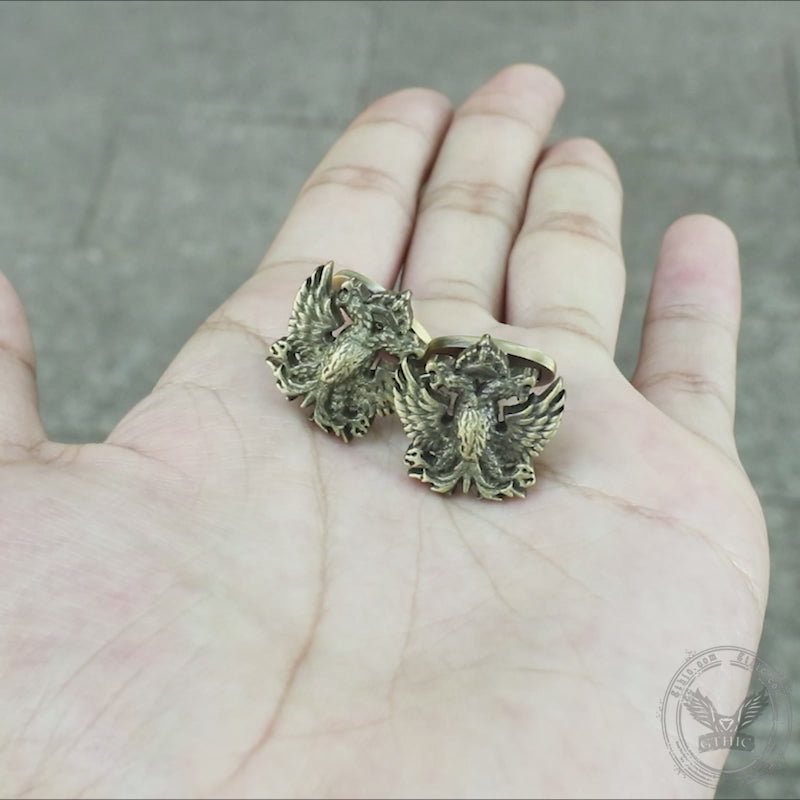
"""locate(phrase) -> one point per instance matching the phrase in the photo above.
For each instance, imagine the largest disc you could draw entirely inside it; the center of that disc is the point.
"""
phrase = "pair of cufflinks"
(354, 351)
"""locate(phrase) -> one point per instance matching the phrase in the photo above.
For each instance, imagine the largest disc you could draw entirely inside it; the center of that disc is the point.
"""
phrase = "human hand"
(222, 599)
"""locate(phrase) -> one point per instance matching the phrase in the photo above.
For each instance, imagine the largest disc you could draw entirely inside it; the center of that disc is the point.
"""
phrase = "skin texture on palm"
(223, 600)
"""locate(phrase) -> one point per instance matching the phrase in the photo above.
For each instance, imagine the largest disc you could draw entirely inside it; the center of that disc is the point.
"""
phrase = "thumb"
(20, 424)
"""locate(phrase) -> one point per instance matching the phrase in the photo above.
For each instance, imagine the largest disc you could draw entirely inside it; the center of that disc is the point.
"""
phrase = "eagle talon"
(524, 475)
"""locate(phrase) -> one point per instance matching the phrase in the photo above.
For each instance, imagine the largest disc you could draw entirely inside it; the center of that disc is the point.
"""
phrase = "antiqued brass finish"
(348, 274)
(346, 334)
(469, 407)
(518, 356)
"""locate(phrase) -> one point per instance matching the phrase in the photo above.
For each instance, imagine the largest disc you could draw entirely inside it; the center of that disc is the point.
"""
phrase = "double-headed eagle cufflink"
(469, 407)
(346, 336)
(477, 409)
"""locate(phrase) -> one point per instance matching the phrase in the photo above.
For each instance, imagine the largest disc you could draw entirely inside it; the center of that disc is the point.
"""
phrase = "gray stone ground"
(148, 152)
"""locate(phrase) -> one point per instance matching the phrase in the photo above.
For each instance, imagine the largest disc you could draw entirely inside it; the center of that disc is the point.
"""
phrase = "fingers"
(687, 363)
(473, 204)
(19, 411)
(357, 208)
(566, 276)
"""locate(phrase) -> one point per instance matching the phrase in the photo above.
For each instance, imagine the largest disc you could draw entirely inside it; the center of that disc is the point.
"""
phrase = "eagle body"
(349, 355)
(473, 424)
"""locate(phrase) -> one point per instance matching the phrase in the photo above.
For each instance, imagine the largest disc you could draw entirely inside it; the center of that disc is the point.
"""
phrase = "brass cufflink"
(346, 335)
(469, 407)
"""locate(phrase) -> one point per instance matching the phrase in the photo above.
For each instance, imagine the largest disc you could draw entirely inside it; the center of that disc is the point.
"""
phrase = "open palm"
(223, 600)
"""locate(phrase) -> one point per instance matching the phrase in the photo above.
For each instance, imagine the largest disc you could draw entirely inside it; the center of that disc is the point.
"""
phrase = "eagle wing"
(314, 315)
(295, 358)
(701, 708)
(419, 409)
(529, 425)
(433, 455)
(752, 706)
(380, 393)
